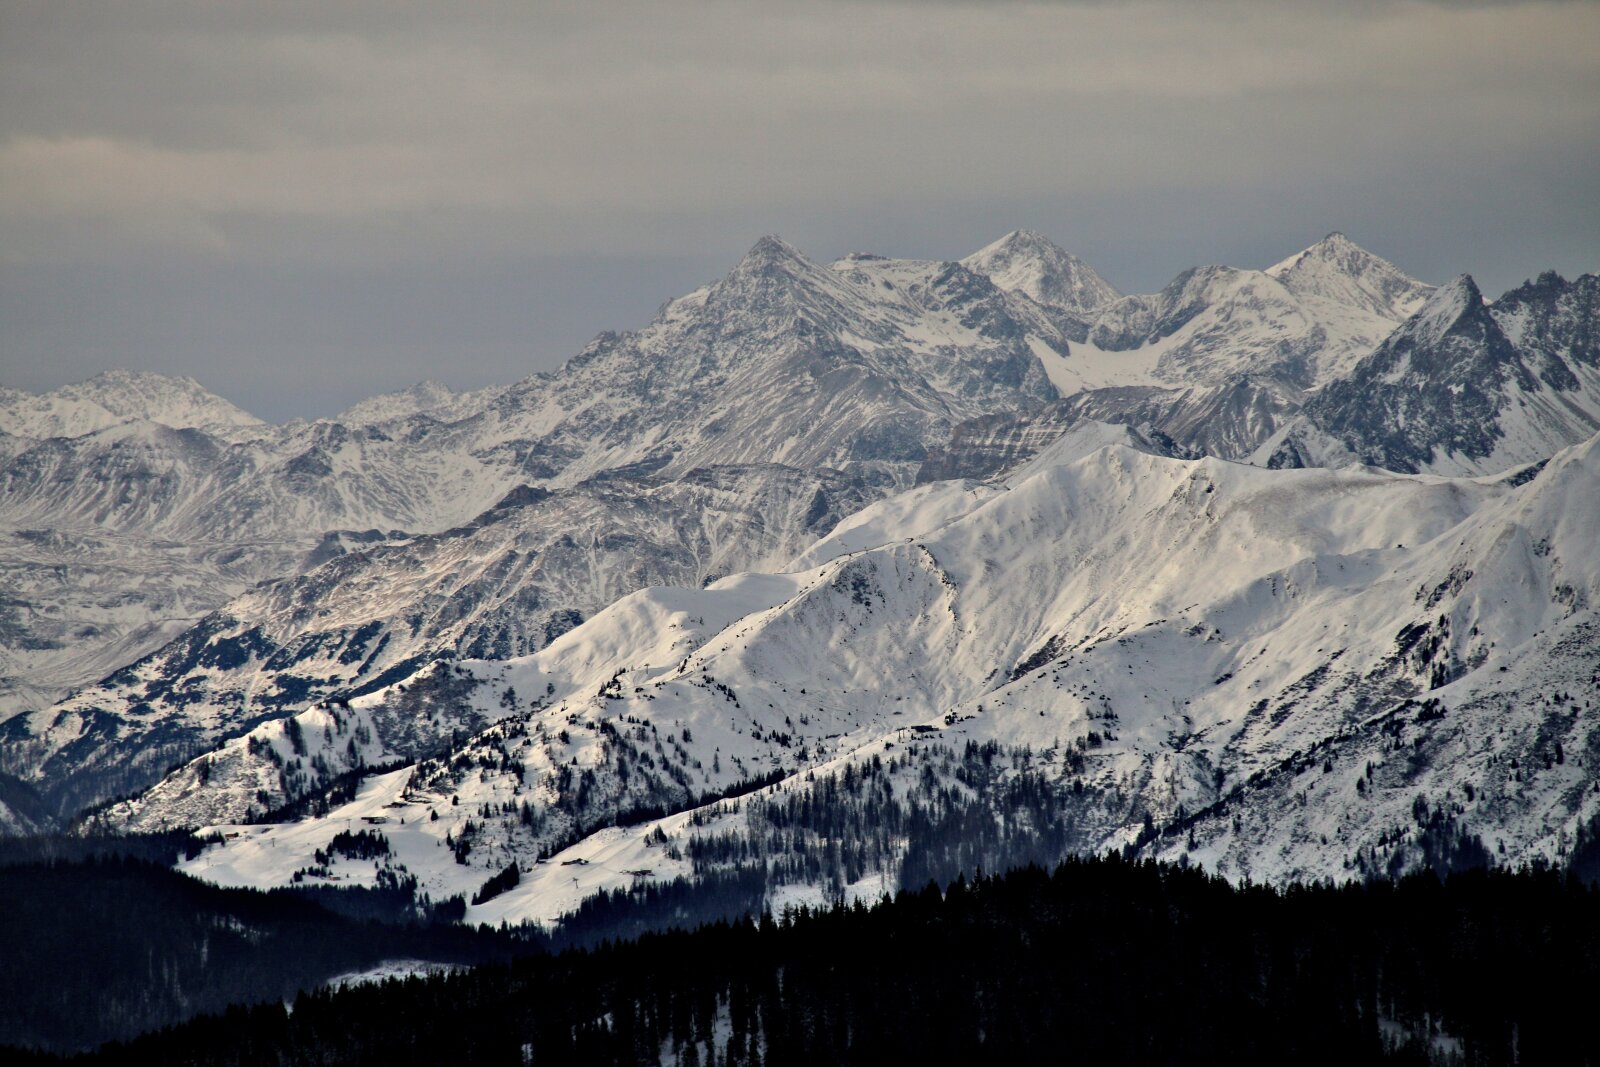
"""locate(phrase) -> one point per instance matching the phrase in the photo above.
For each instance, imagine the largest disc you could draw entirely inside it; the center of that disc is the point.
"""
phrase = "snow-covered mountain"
(115, 397)
(990, 552)
(1222, 358)
(127, 513)
(983, 447)
(783, 360)
(503, 585)
(429, 398)
(81, 601)
(1463, 386)
(1340, 272)
(114, 541)
(869, 361)
(1282, 673)
(1230, 420)
(1026, 262)
(788, 361)
(860, 366)
(1302, 322)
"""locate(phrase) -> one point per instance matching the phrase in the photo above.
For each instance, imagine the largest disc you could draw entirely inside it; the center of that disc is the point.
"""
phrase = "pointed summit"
(1445, 309)
(1433, 392)
(1452, 343)
(775, 284)
(1338, 269)
(768, 253)
(771, 263)
(1334, 248)
(1026, 262)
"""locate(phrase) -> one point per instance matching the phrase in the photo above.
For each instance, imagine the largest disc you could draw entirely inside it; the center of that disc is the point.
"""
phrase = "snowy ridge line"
(945, 341)
(783, 361)
(1220, 633)
(660, 457)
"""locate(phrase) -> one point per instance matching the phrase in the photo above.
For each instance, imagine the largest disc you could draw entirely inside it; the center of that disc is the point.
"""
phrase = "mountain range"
(1286, 571)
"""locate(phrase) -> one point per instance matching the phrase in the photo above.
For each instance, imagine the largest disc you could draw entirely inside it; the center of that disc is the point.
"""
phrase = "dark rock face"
(1463, 377)
(1229, 420)
(1557, 322)
(983, 447)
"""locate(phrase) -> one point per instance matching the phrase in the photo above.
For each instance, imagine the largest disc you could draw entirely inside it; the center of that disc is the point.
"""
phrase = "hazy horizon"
(301, 206)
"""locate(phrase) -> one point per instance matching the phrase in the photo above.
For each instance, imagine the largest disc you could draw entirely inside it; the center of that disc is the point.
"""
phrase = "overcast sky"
(302, 203)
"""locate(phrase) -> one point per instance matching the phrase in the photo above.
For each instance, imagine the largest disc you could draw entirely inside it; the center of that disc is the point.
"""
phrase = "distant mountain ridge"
(117, 396)
(783, 365)
(744, 429)
(1338, 270)
(1464, 386)
(1027, 262)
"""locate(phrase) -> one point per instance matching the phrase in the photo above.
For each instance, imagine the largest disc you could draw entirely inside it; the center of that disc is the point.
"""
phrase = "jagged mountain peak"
(1434, 394)
(1452, 341)
(1445, 309)
(772, 267)
(1338, 269)
(1028, 262)
(771, 290)
(769, 252)
(1547, 282)
(1464, 386)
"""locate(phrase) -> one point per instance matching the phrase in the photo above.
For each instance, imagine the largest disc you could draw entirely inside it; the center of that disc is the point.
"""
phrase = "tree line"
(1102, 960)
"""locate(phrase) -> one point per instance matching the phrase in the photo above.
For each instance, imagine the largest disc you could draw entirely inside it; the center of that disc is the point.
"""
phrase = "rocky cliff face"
(1464, 386)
